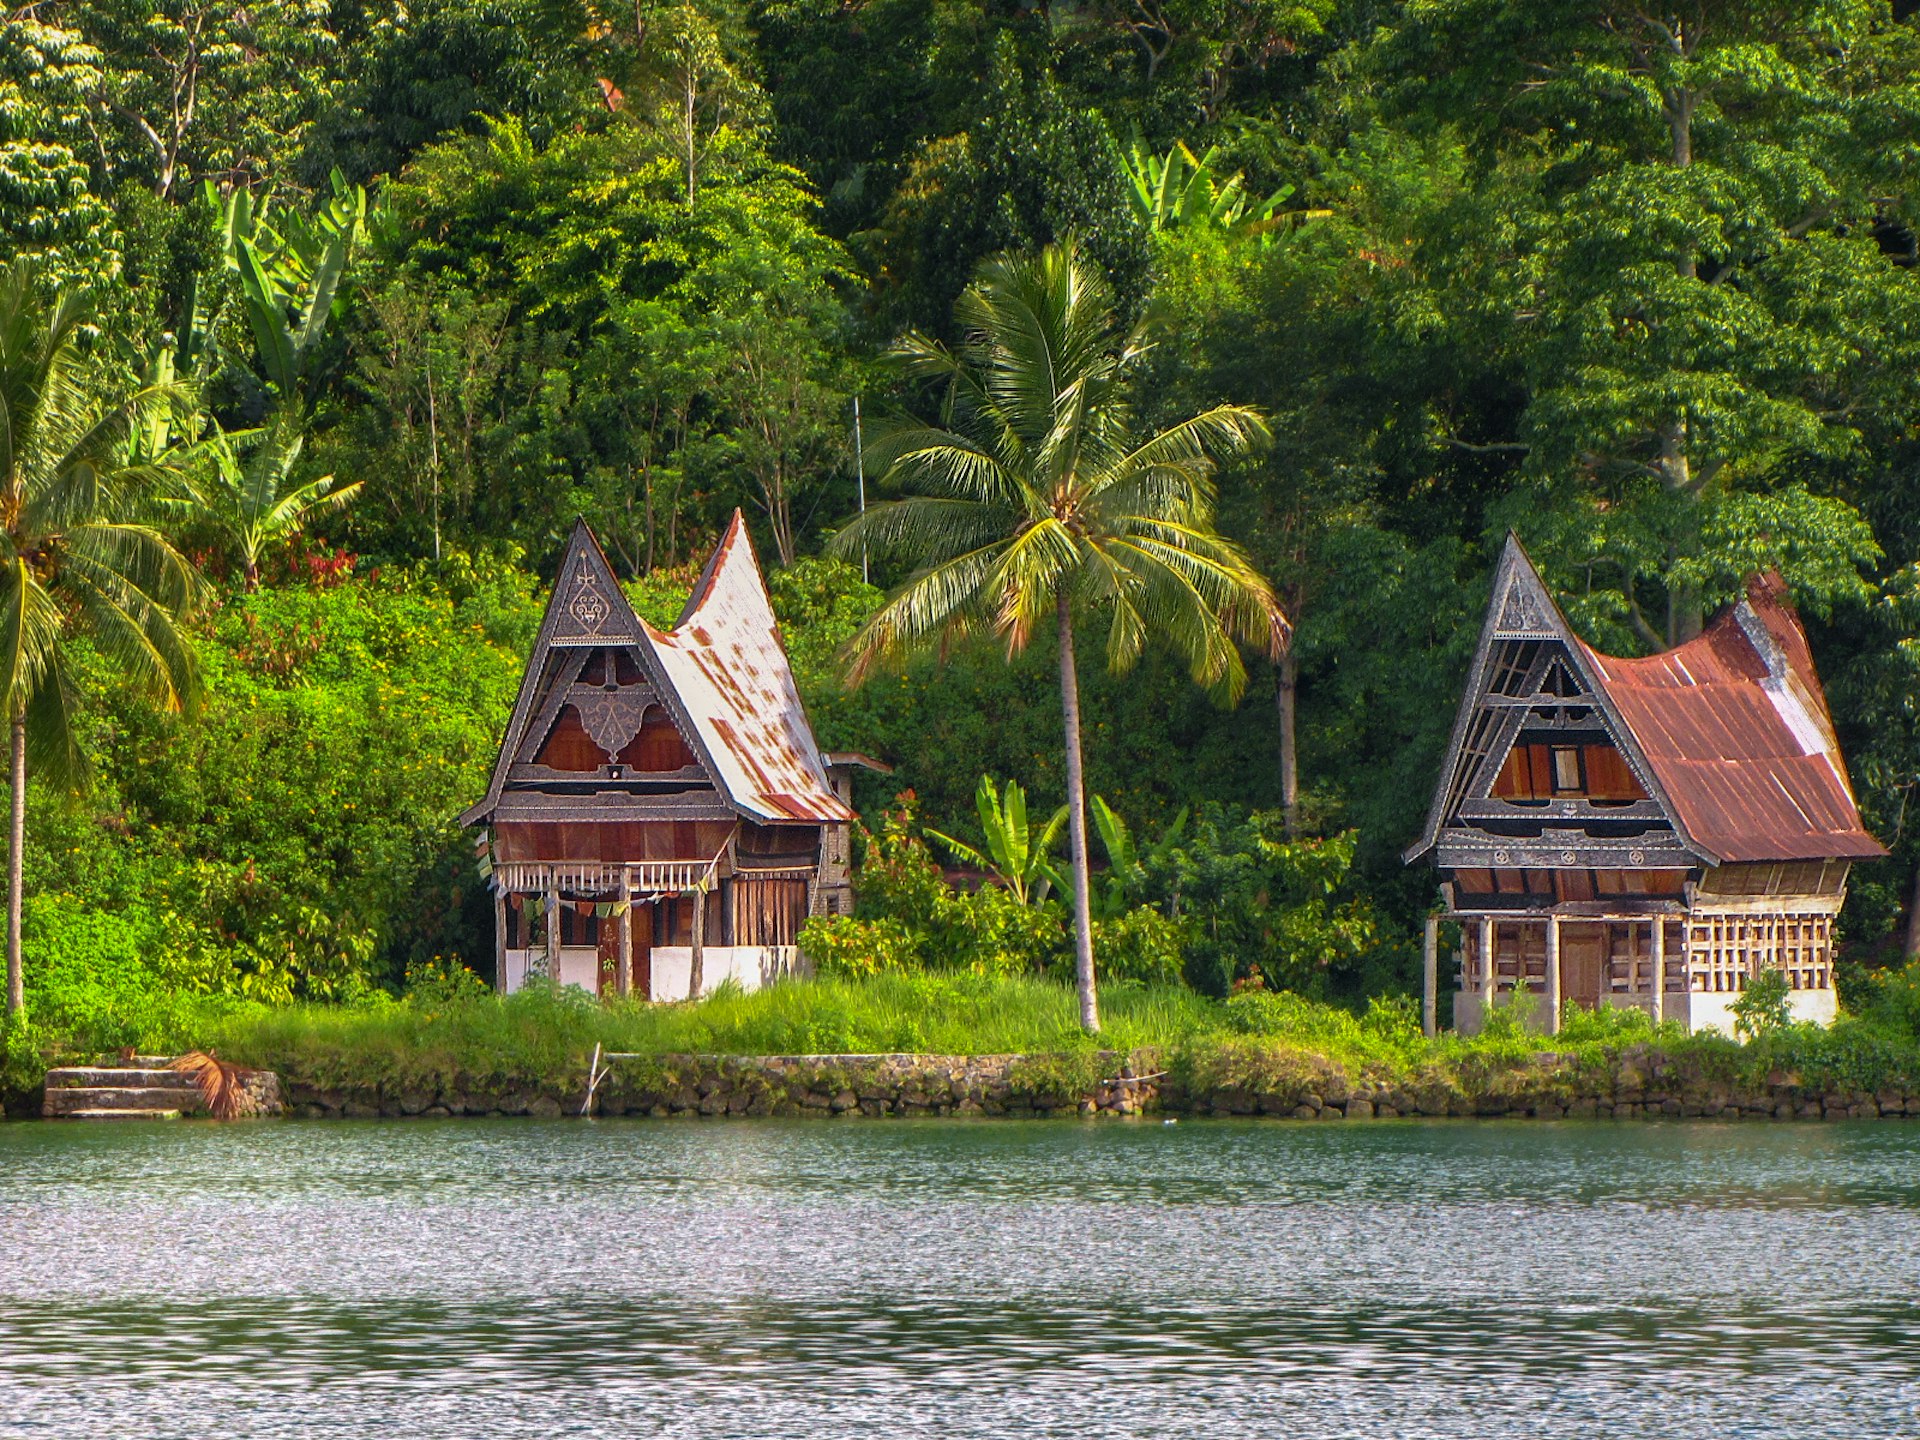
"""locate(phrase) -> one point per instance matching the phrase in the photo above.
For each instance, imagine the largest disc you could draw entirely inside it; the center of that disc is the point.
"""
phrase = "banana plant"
(1021, 860)
(1181, 189)
(1127, 868)
(286, 348)
(239, 489)
(289, 267)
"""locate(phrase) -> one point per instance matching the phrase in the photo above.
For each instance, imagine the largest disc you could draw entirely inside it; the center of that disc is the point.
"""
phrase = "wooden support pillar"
(625, 963)
(1553, 974)
(697, 971)
(1489, 981)
(553, 931)
(500, 940)
(1659, 968)
(1430, 977)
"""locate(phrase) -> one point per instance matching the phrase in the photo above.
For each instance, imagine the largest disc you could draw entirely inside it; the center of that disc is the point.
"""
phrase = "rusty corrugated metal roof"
(1736, 728)
(726, 662)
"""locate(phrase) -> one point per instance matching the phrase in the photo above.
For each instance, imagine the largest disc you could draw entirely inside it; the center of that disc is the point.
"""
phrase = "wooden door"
(1583, 963)
(609, 946)
(643, 951)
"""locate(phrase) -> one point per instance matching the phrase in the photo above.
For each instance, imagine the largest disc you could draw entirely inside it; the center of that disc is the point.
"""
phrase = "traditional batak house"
(1647, 833)
(659, 810)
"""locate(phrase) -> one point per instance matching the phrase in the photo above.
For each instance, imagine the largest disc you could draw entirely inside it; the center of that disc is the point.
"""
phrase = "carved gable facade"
(659, 817)
(1649, 832)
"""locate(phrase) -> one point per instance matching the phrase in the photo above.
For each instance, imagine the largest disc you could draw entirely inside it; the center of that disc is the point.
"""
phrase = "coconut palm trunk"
(16, 847)
(1077, 823)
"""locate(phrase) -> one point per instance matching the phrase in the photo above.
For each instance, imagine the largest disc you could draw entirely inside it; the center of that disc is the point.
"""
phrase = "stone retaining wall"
(1638, 1082)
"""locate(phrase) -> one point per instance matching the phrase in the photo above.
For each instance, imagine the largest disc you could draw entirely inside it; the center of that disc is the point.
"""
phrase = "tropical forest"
(322, 322)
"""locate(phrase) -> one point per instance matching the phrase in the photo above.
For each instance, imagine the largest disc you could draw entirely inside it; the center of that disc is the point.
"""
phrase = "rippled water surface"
(604, 1279)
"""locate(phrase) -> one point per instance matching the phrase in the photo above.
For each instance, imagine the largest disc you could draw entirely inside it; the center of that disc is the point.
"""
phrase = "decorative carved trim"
(611, 717)
(1522, 612)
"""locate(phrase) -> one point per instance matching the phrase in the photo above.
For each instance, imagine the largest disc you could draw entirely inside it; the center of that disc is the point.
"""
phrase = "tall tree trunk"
(1913, 920)
(1286, 687)
(16, 847)
(1077, 824)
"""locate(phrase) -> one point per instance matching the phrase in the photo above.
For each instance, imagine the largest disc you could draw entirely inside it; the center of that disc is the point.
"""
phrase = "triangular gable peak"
(1534, 703)
(726, 663)
(603, 683)
(591, 680)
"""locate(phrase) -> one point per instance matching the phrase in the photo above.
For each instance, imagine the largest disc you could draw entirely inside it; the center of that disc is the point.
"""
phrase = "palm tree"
(1036, 494)
(75, 557)
(240, 490)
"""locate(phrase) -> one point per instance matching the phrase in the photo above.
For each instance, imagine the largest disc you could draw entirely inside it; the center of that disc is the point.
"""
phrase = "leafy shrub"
(841, 945)
(1893, 998)
(1764, 1006)
(1394, 1019)
(1256, 901)
(101, 980)
(989, 932)
(1509, 1029)
(303, 826)
(1141, 947)
(444, 981)
(1605, 1025)
(899, 879)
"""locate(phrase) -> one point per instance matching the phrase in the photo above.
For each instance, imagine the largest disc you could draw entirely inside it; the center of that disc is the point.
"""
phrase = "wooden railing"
(593, 877)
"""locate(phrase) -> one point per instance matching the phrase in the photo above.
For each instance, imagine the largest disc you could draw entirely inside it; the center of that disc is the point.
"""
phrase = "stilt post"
(624, 965)
(1489, 984)
(1553, 974)
(1659, 968)
(697, 971)
(1430, 977)
(553, 930)
(500, 940)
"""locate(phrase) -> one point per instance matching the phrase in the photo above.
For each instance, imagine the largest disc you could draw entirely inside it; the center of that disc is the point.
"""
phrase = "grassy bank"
(448, 1035)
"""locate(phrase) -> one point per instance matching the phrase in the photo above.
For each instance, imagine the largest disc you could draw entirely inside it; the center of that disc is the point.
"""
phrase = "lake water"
(945, 1278)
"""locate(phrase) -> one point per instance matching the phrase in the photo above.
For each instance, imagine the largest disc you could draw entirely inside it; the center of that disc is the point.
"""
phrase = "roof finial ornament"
(588, 606)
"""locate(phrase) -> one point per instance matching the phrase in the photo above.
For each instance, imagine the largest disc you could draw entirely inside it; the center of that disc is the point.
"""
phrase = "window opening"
(1566, 770)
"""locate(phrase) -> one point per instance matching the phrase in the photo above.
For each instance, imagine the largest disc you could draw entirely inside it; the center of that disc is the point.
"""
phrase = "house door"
(643, 951)
(609, 947)
(1583, 963)
(639, 979)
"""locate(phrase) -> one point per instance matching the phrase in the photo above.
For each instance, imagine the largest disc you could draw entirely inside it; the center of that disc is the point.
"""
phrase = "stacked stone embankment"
(1640, 1082)
(141, 1087)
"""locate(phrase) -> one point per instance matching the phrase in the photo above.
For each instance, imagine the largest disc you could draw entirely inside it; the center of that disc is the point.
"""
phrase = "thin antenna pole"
(860, 472)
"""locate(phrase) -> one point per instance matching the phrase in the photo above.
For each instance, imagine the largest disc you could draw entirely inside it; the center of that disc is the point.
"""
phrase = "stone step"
(122, 1115)
(114, 1061)
(117, 1076)
(92, 1099)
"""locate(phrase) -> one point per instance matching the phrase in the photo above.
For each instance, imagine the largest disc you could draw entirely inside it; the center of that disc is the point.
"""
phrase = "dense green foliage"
(1636, 281)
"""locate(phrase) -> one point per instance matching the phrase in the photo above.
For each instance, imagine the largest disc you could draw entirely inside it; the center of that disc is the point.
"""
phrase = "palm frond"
(946, 601)
(53, 749)
(1031, 571)
(222, 1086)
(925, 527)
(30, 626)
(1222, 432)
(1034, 487)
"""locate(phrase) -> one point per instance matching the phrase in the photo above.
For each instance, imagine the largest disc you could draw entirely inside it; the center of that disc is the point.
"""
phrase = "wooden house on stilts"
(1650, 832)
(660, 819)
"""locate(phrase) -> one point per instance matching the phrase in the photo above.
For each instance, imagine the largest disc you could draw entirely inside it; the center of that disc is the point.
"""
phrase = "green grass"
(539, 1032)
(456, 1035)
